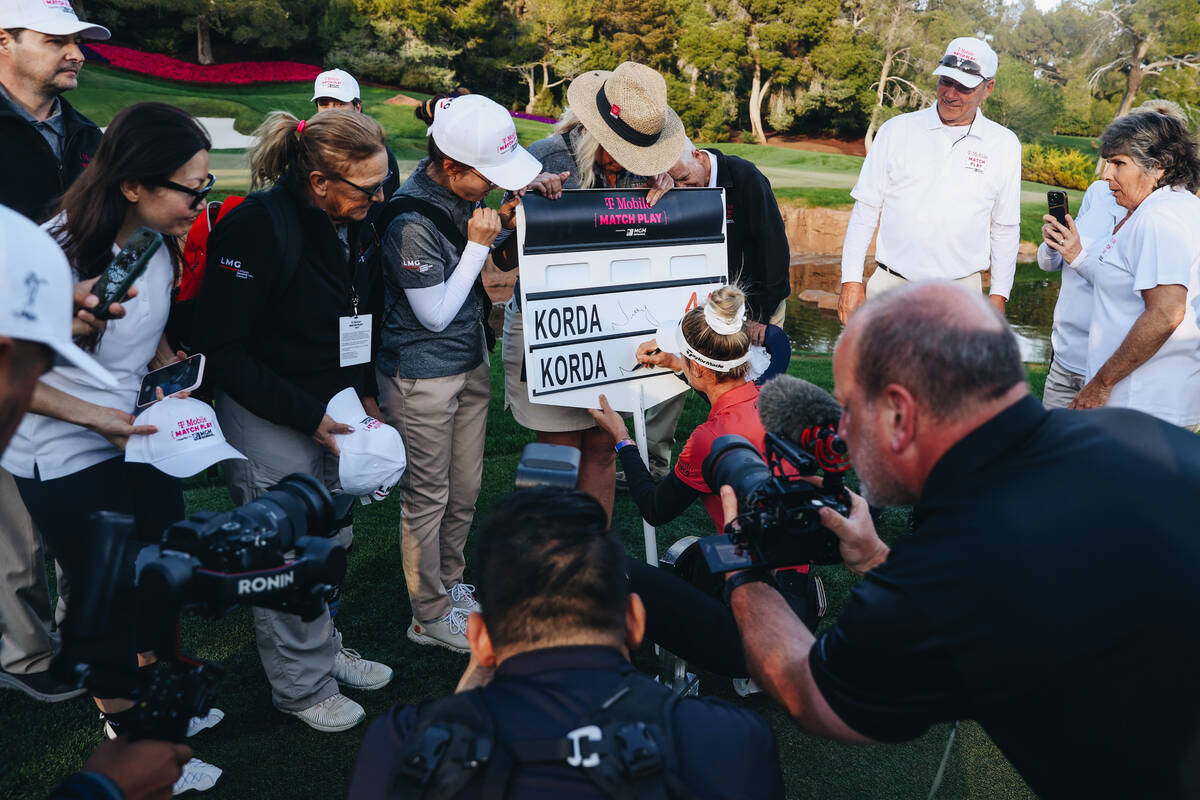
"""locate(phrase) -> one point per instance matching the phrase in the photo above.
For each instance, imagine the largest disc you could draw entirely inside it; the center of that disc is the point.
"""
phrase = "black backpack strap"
(286, 228)
(404, 204)
(452, 742)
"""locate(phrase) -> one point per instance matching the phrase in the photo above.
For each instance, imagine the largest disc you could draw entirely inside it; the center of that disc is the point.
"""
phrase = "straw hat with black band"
(626, 111)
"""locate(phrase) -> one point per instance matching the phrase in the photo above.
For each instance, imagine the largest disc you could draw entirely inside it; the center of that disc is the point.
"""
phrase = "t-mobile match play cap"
(37, 293)
(336, 83)
(372, 457)
(968, 61)
(480, 133)
(51, 17)
(188, 439)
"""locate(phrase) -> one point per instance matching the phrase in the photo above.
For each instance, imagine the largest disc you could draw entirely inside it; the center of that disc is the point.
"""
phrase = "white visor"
(670, 339)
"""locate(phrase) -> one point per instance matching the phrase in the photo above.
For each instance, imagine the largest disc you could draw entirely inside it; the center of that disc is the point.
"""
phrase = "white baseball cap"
(188, 439)
(336, 83)
(52, 17)
(968, 61)
(372, 457)
(480, 133)
(37, 297)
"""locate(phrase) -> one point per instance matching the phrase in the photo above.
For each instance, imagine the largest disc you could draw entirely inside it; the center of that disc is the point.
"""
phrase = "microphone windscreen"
(789, 405)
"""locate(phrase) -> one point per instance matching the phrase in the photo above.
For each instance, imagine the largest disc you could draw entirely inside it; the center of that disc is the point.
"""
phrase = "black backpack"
(403, 204)
(625, 746)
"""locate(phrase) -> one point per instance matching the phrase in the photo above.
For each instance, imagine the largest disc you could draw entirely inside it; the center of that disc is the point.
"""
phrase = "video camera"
(778, 524)
(210, 564)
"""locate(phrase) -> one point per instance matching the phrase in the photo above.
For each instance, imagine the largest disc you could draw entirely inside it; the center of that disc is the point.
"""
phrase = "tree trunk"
(1133, 82)
(884, 74)
(530, 81)
(204, 41)
(545, 76)
(758, 93)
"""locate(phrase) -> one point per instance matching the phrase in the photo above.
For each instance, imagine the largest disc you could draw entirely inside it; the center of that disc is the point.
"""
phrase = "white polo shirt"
(1098, 214)
(1157, 246)
(941, 189)
(59, 448)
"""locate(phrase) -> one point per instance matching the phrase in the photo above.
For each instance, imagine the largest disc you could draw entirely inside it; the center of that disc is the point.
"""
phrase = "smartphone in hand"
(124, 270)
(1059, 206)
(182, 376)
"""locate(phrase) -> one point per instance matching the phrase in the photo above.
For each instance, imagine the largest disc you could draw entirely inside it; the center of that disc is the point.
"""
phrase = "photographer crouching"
(563, 712)
(1008, 604)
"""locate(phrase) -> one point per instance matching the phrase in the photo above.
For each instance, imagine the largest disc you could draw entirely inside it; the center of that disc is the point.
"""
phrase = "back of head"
(586, 148)
(943, 343)
(283, 145)
(1156, 138)
(550, 570)
(146, 143)
(716, 329)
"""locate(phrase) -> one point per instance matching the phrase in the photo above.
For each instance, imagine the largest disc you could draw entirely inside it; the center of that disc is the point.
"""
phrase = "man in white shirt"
(943, 184)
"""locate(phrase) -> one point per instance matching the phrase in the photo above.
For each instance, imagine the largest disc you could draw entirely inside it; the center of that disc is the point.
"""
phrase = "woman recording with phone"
(1144, 270)
(151, 171)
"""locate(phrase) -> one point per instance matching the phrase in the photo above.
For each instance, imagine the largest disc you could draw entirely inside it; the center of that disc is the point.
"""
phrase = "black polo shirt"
(723, 751)
(1050, 591)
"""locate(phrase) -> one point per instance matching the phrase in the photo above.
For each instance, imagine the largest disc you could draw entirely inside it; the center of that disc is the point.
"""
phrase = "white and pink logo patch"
(332, 83)
(193, 429)
(508, 144)
(370, 423)
(964, 53)
(63, 6)
(976, 161)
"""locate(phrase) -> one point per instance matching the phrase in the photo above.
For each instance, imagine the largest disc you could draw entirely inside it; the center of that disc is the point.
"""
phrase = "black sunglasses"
(198, 195)
(962, 65)
(368, 191)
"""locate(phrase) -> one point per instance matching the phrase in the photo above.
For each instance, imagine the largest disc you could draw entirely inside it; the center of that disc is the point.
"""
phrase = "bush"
(1068, 168)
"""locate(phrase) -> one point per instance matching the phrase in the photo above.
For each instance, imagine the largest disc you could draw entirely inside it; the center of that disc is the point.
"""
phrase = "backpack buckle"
(639, 750)
(592, 734)
(421, 765)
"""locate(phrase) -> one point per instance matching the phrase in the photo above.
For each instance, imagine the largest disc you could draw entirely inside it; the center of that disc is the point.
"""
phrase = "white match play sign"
(600, 270)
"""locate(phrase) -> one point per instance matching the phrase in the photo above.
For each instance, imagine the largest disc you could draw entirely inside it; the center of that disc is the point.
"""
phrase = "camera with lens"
(210, 564)
(778, 522)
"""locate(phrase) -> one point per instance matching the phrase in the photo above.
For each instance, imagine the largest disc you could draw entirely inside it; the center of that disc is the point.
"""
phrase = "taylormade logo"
(265, 583)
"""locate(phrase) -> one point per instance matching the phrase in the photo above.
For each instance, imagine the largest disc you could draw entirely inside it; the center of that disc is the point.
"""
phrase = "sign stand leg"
(639, 434)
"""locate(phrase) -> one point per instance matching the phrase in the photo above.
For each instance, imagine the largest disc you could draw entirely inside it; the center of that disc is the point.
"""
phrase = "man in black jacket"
(563, 708)
(44, 145)
(44, 142)
(759, 256)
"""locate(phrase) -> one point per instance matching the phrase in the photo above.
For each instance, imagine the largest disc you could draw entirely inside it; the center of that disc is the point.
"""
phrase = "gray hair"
(688, 149)
(586, 147)
(1154, 140)
(950, 354)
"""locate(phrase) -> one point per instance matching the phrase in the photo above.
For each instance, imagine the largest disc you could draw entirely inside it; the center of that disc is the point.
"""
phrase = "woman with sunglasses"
(287, 291)
(150, 170)
(433, 362)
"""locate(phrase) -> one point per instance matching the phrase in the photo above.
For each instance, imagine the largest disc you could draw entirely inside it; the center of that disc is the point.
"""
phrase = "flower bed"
(534, 117)
(160, 66)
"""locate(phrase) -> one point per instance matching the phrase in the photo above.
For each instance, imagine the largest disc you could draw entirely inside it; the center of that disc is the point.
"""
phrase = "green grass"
(814, 196)
(1088, 145)
(268, 755)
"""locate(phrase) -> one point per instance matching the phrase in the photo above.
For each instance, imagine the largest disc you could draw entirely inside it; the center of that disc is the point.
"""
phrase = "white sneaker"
(449, 632)
(462, 595)
(745, 687)
(333, 714)
(351, 669)
(198, 776)
(195, 724)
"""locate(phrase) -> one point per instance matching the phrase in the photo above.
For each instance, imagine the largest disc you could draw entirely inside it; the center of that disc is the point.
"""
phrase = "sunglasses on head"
(962, 65)
(198, 195)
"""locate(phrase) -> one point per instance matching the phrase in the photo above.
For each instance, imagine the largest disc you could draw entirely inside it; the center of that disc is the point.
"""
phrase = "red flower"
(161, 66)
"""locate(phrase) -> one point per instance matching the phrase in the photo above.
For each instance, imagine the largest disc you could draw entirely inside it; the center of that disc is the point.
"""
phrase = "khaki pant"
(1061, 386)
(882, 281)
(296, 655)
(443, 422)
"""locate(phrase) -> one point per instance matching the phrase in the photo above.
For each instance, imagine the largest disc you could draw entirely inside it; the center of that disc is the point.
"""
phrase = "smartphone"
(182, 376)
(1059, 206)
(126, 267)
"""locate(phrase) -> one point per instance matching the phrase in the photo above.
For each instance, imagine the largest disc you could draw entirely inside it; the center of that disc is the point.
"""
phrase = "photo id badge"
(354, 340)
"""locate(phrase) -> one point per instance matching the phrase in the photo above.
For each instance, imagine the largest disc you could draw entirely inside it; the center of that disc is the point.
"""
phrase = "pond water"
(1030, 313)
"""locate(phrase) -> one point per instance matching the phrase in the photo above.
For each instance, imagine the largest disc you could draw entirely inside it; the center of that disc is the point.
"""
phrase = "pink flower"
(161, 66)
